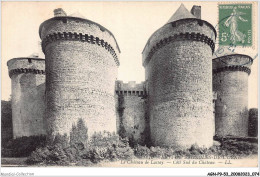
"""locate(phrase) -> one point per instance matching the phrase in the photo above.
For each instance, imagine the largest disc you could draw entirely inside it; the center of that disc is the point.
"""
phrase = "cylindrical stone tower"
(178, 68)
(81, 68)
(28, 89)
(230, 82)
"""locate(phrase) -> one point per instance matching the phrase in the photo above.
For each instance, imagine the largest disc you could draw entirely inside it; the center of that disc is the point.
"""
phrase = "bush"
(196, 150)
(142, 151)
(108, 146)
(102, 146)
(50, 155)
(79, 133)
(164, 153)
(23, 146)
(239, 147)
(157, 152)
(6, 122)
(228, 147)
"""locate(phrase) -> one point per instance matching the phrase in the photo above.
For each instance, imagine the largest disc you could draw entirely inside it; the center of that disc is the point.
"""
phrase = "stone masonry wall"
(28, 92)
(178, 72)
(81, 63)
(230, 81)
(131, 111)
(253, 122)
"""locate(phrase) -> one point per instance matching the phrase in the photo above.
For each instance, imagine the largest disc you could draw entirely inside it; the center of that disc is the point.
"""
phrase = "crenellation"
(77, 37)
(233, 68)
(25, 70)
(180, 37)
(130, 89)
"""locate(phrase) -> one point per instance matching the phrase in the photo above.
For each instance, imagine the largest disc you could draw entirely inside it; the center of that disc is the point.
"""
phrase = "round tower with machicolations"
(82, 59)
(230, 82)
(28, 95)
(178, 71)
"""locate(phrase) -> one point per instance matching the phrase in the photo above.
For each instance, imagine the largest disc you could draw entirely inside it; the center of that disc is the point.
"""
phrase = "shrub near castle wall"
(81, 61)
(6, 122)
(28, 89)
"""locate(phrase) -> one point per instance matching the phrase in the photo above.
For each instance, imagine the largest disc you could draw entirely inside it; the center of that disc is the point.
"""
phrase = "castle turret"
(230, 81)
(81, 68)
(178, 70)
(28, 89)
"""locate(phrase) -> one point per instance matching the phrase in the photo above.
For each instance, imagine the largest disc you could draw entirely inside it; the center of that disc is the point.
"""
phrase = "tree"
(6, 121)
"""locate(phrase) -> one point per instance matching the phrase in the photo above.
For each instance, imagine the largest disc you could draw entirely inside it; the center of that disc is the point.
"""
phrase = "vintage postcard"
(129, 84)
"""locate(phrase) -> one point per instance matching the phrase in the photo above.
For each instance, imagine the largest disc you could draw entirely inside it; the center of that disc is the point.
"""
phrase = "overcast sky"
(132, 23)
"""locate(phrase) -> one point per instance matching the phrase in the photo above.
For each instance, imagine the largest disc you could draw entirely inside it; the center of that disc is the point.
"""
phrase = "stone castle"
(186, 97)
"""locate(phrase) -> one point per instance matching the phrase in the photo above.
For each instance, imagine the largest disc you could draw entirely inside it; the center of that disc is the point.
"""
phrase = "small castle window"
(141, 92)
(129, 92)
(137, 92)
(29, 60)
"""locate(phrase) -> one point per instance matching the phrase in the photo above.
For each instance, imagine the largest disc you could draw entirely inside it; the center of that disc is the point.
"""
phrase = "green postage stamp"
(235, 24)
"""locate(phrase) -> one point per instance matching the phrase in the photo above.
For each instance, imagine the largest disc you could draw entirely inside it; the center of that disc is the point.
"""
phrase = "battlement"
(192, 29)
(79, 37)
(26, 65)
(130, 89)
(234, 62)
(62, 27)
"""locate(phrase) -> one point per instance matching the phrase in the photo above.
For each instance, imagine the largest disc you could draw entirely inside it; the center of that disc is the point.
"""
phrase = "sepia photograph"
(145, 84)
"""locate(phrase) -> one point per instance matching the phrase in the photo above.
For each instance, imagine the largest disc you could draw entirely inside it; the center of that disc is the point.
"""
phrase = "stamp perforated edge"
(254, 19)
